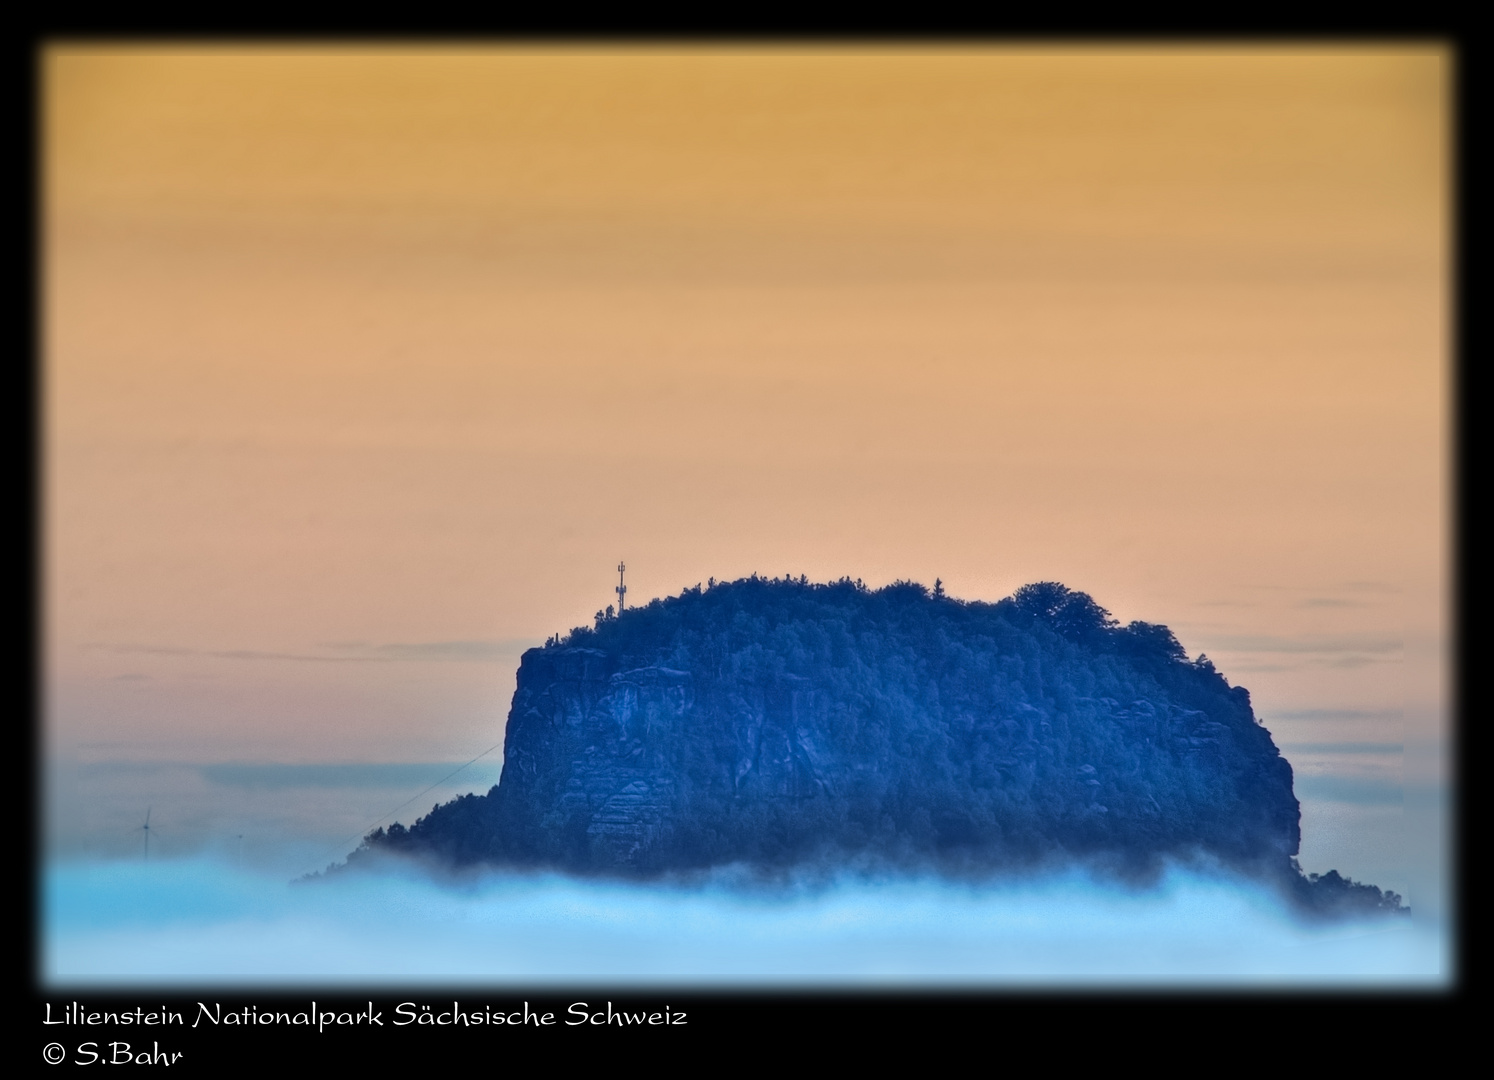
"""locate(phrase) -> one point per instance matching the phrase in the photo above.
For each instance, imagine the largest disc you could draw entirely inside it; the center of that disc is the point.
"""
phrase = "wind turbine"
(146, 829)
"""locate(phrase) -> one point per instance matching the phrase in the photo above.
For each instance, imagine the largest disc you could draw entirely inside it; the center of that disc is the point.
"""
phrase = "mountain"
(776, 724)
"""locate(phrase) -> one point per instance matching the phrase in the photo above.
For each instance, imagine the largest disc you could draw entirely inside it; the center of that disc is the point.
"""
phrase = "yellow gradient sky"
(363, 368)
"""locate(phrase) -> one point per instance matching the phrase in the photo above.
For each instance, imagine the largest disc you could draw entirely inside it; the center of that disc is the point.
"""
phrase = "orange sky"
(354, 355)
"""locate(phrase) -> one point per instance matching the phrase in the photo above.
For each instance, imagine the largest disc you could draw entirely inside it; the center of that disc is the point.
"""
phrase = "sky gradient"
(363, 368)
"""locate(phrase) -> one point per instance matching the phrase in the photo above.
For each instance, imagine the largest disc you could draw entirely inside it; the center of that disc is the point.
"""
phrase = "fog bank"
(199, 920)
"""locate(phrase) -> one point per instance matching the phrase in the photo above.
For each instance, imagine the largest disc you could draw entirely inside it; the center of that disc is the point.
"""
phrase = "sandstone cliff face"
(787, 728)
(624, 763)
(594, 766)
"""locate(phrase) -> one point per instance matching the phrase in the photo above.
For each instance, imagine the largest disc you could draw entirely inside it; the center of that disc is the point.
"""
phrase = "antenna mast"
(621, 590)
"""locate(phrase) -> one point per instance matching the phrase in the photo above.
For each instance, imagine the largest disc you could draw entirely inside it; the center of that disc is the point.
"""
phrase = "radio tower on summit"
(621, 590)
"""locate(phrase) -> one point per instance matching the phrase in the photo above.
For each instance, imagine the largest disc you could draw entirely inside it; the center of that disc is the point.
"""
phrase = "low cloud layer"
(185, 922)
